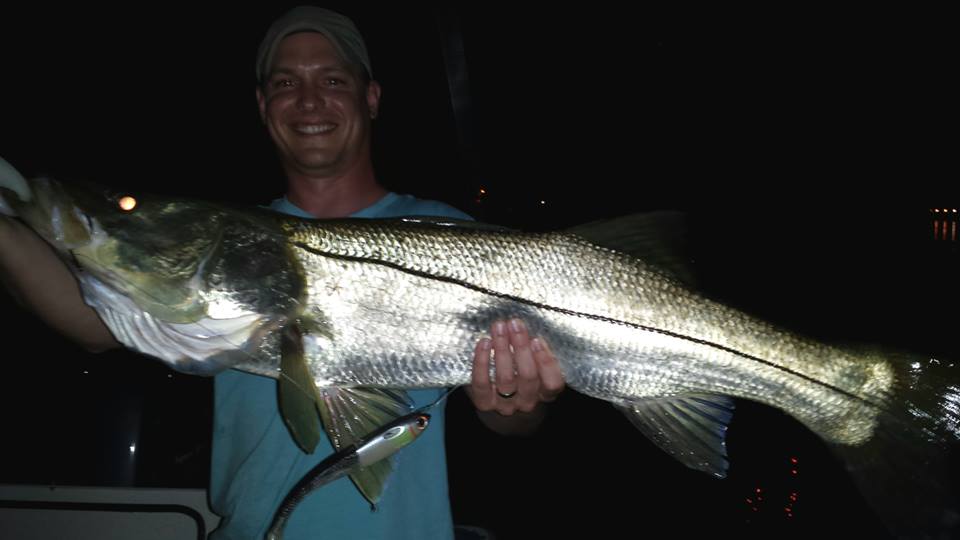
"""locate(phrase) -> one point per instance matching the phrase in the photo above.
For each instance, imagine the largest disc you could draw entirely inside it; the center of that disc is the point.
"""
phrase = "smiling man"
(317, 98)
(317, 109)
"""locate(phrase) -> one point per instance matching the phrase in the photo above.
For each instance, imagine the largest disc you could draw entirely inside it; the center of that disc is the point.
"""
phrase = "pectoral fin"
(691, 428)
(297, 390)
(349, 414)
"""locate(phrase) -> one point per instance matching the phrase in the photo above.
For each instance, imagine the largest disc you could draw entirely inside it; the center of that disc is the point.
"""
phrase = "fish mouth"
(12, 183)
(47, 207)
(67, 226)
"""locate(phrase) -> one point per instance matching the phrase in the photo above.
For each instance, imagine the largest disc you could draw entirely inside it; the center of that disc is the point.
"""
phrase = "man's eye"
(283, 83)
(335, 82)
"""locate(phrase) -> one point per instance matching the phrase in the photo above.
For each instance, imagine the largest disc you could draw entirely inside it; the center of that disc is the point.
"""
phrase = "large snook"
(348, 305)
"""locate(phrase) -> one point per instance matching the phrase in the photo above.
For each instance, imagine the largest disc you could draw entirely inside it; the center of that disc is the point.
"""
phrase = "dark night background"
(806, 146)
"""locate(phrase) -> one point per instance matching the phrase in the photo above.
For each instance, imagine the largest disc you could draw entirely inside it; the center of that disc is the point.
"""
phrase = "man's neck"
(334, 196)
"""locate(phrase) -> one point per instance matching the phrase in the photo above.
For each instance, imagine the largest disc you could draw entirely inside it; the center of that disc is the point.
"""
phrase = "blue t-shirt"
(255, 462)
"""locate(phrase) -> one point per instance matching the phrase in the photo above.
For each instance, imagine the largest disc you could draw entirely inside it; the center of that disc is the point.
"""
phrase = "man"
(317, 99)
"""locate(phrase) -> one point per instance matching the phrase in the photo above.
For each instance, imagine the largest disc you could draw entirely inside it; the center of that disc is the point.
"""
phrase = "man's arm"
(42, 283)
(526, 371)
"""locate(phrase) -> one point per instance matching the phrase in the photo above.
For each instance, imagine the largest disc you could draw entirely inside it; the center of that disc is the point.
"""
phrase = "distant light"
(169, 376)
(127, 203)
(936, 210)
(793, 472)
(85, 372)
(133, 448)
(483, 191)
(543, 202)
(759, 490)
(954, 210)
(793, 460)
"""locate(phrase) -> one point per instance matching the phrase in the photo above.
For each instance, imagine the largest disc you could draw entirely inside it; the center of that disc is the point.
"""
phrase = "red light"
(793, 460)
(793, 471)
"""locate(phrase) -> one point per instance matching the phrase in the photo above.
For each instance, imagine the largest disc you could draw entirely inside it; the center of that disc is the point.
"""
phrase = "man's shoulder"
(391, 205)
(408, 205)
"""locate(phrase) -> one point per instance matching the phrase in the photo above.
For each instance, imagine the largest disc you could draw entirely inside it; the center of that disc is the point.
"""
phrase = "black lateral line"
(565, 311)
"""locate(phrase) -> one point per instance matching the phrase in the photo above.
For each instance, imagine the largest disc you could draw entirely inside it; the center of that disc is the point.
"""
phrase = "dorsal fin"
(657, 238)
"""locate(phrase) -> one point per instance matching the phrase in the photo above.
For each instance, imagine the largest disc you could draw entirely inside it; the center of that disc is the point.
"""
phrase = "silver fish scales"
(347, 312)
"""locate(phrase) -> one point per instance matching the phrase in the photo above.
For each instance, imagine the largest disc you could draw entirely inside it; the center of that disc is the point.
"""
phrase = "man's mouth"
(314, 129)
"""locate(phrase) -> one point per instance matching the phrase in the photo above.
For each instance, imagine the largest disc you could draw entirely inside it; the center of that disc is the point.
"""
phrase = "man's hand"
(526, 377)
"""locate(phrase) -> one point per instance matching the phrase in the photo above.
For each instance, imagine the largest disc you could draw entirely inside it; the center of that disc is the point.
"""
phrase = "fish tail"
(907, 470)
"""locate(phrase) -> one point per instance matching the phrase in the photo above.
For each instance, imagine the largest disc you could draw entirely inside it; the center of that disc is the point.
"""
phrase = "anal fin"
(691, 428)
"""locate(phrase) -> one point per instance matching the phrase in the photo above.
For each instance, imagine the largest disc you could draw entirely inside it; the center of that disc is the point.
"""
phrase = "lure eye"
(422, 421)
(127, 203)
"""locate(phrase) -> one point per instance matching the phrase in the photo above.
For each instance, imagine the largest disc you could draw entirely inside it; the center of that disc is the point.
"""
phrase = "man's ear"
(262, 104)
(373, 98)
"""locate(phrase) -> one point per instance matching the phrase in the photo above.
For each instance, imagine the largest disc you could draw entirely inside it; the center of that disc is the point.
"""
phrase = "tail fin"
(908, 471)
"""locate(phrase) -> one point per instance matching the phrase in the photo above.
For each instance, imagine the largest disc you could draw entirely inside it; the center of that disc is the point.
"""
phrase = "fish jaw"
(47, 208)
(12, 180)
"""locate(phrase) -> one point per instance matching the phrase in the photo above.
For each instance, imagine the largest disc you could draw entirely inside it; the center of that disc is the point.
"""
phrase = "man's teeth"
(315, 129)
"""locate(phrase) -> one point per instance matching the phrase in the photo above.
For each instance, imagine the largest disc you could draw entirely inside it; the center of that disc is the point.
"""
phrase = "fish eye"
(127, 203)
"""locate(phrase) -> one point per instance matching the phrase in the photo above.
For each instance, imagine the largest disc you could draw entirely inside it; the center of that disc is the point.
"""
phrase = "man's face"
(316, 108)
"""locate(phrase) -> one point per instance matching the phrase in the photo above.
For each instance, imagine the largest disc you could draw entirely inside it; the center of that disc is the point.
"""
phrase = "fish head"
(150, 248)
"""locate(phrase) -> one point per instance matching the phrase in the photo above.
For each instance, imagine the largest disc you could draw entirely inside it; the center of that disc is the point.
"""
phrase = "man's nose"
(309, 98)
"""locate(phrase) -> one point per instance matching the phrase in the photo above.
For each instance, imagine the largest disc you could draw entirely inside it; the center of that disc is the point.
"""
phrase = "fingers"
(551, 378)
(524, 369)
(505, 377)
(481, 390)
(526, 373)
